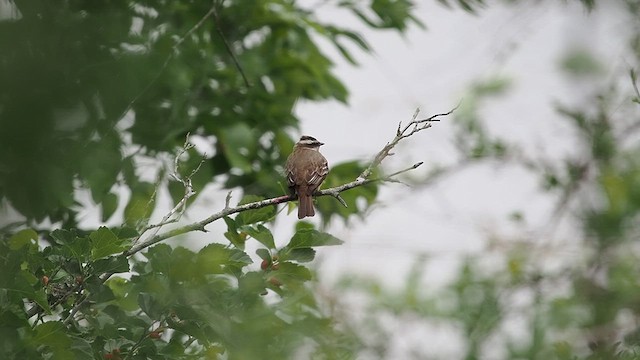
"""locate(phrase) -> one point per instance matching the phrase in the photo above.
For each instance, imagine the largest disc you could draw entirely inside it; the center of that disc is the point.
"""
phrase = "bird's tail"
(305, 206)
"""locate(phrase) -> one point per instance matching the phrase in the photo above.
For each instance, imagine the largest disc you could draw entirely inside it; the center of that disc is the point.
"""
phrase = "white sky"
(432, 69)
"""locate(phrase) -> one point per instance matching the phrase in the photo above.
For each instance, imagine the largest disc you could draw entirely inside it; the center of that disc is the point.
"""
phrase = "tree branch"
(410, 129)
(181, 206)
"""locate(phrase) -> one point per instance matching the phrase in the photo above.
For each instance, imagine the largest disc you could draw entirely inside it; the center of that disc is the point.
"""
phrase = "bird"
(306, 169)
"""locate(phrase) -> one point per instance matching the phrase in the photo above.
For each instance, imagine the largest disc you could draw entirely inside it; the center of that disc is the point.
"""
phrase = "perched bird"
(306, 169)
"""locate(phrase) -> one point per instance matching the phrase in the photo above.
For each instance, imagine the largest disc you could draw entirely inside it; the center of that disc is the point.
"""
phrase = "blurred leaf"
(232, 234)
(581, 63)
(101, 165)
(140, 205)
(22, 238)
(338, 175)
(301, 254)
(255, 215)
(238, 143)
(218, 259)
(123, 292)
(306, 238)
(112, 264)
(149, 304)
(292, 272)
(109, 206)
(53, 335)
(264, 254)
(260, 233)
(105, 243)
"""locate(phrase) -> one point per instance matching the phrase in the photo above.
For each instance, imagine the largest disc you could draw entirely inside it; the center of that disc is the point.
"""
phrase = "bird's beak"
(321, 144)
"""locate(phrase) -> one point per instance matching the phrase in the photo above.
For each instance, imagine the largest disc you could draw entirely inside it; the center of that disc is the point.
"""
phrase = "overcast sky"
(432, 69)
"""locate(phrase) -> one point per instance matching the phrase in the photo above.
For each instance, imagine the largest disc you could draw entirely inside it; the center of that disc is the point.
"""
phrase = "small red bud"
(264, 265)
(45, 280)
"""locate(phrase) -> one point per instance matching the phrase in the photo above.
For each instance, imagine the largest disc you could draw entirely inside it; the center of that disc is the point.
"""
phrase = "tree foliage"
(91, 94)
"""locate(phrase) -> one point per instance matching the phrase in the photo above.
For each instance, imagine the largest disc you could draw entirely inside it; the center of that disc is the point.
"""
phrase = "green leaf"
(232, 234)
(217, 259)
(260, 233)
(99, 292)
(292, 272)
(304, 225)
(264, 254)
(231, 224)
(340, 174)
(125, 232)
(22, 238)
(254, 215)
(305, 238)
(238, 144)
(140, 205)
(124, 292)
(40, 297)
(63, 236)
(113, 264)
(150, 305)
(101, 165)
(53, 335)
(581, 63)
(301, 254)
(104, 243)
(81, 348)
(79, 248)
(109, 206)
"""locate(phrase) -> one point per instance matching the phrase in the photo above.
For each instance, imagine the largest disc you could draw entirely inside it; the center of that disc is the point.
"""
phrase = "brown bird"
(306, 168)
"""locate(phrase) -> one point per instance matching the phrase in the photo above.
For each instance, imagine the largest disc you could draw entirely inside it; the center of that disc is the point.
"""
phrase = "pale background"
(433, 69)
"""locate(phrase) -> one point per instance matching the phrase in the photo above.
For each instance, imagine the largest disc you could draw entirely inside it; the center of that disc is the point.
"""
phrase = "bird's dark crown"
(309, 142)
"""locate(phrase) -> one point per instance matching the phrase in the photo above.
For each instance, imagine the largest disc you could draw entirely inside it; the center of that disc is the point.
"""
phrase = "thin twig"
(228, 47)
(411, 128)
(179, 209)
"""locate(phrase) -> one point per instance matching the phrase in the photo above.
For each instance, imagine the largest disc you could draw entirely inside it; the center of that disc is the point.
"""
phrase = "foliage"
(113, 86)
(95, 97)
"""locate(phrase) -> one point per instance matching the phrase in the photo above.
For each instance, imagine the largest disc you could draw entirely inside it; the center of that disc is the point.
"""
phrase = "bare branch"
(410, 129)
(178, 210)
